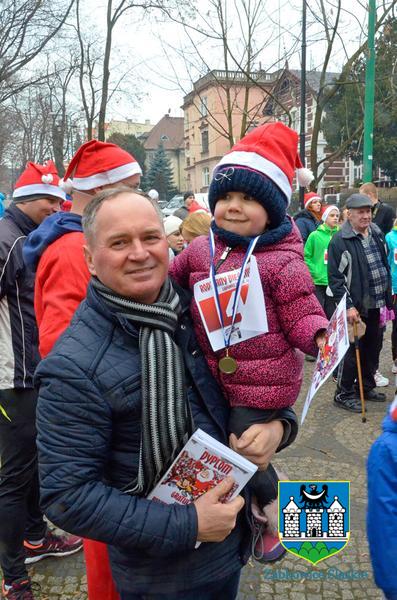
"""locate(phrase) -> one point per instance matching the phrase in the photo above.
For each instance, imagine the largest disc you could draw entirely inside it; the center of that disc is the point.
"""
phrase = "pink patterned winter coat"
(269, 373)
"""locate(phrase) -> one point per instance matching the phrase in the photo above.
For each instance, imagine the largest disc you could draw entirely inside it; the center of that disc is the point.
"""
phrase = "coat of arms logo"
(314, 518)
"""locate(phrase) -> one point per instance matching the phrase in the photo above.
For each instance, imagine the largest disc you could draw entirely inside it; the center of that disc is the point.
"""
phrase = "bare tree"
(26, 27)
(330, 21)
(222, 25)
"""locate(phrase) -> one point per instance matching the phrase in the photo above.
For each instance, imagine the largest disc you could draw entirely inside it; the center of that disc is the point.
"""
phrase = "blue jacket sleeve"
(74, 426)
(382, 514)
(303, 229)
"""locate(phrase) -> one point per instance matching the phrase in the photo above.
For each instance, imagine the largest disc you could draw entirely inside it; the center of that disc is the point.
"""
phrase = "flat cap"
(358, 201)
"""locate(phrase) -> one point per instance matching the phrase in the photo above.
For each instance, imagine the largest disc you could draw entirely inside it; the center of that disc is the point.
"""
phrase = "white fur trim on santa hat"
(39, 188)
(112, 176)
(328, 210)
(304, 176)
(67, 185)
(257, 162)
(47, 178)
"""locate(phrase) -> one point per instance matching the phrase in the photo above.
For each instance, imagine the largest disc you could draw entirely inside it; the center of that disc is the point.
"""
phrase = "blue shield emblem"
(314, 518)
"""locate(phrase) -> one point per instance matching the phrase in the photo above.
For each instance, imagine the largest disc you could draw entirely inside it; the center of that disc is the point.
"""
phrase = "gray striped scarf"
(166, 418)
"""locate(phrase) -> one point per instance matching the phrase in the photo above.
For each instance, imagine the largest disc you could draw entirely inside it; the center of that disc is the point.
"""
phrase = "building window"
(188, 161)
(203, 106)
(164, 138)
(206, 176)
(186, 120)
(204, 142)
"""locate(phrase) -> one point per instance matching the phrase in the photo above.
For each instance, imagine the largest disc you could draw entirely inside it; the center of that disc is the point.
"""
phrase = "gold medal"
(227, 364)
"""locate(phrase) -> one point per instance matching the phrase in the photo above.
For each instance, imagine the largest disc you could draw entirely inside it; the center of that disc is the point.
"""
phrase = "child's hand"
(259, 442)
(320, 339)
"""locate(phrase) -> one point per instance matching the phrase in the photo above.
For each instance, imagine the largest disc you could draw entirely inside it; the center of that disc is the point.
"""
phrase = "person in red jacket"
(55, 252)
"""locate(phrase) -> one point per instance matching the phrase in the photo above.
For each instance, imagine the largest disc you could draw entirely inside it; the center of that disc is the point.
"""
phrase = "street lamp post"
(302, 135)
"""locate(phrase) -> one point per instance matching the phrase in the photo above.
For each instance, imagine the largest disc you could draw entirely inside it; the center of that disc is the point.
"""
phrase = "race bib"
(251, 317)
(395, 256)
(326, 256)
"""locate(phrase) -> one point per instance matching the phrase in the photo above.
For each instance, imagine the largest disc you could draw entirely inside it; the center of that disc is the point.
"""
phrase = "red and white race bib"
(250, 320)
(326, 256)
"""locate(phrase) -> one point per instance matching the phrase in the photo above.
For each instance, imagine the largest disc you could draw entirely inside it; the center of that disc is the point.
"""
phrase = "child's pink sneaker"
(266, 547)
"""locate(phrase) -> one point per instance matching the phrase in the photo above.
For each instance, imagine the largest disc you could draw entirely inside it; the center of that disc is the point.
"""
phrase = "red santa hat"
(99, 163)
(308, 198)
(38, 180)
(266, 155)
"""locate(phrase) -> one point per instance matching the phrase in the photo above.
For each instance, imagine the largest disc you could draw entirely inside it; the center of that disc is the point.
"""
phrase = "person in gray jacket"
(358, 267)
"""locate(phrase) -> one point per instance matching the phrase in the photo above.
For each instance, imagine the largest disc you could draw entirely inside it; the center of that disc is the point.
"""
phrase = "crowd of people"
(107, 364)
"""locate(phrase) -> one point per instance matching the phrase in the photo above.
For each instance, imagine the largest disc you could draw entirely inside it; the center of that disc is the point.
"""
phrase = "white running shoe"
(380, 380)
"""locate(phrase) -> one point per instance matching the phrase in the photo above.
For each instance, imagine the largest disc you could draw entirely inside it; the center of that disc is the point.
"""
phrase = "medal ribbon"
(239, 285)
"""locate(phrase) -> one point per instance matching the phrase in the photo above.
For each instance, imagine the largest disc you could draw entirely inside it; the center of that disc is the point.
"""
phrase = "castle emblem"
(314, 518)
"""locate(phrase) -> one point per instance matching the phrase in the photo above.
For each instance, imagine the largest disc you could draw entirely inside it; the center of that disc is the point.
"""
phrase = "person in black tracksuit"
(358, 267)
(21, 519)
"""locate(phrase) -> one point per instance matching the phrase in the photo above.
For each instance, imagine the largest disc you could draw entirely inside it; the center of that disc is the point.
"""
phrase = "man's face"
(189, 201)
(38, 210)
(360, 218)
(130, 251)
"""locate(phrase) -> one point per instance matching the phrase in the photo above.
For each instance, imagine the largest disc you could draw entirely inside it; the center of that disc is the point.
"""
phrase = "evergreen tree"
(343, 124)
(159, 175)
(130, 144)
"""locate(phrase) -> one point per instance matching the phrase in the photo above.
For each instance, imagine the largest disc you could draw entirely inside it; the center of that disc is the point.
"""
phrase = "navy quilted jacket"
(88, 420)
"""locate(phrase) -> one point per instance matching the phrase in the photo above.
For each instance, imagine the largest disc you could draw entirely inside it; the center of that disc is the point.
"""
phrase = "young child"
(316, 256)
(249, 196)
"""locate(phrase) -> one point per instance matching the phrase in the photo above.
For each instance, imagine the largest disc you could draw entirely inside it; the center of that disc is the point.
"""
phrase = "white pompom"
(66, 186)
(47, 178)
(304, 176)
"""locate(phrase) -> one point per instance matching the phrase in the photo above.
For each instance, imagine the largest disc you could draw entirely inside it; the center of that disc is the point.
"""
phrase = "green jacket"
(316, 253)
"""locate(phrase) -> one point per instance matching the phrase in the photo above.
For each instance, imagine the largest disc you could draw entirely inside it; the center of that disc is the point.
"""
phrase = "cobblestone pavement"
(332, 444)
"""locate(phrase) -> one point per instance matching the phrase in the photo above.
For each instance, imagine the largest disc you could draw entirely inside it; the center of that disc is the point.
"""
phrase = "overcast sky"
(158, 68)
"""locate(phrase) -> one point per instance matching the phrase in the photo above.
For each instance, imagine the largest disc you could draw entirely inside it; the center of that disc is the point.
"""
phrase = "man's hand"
(217, 520)
(353, 316)
(259, 442)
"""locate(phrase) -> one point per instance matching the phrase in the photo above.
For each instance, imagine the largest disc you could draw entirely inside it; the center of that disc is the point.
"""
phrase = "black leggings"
(20, 514)
(264, 484)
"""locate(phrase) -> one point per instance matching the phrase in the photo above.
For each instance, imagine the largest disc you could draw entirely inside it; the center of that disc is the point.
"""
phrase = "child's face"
(240, 213)
(332, 219)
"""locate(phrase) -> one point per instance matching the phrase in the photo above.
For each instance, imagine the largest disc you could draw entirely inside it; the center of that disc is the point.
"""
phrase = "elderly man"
(383, 214)
(119, 396)
(24, 536)
(358, 266)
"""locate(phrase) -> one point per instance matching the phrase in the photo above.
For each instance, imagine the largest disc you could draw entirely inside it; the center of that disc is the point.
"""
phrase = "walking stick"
(359, 373)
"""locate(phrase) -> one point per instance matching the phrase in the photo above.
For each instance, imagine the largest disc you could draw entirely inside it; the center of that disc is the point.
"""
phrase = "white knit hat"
(172, 224)
(328, 210)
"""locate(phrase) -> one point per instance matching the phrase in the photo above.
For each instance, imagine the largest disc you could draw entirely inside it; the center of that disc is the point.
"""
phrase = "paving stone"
(332, 444)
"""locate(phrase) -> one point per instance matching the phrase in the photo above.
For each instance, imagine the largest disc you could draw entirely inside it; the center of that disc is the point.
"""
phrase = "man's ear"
(88, 259)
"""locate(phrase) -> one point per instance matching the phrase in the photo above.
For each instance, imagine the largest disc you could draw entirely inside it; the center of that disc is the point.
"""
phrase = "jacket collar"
(348, 232)
(25, 223)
